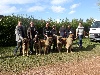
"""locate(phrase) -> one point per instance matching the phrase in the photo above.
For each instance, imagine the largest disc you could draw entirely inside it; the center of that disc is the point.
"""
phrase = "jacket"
(20, 33)
(31, 32)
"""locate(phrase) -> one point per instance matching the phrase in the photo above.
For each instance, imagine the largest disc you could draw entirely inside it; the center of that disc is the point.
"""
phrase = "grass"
(9, 63)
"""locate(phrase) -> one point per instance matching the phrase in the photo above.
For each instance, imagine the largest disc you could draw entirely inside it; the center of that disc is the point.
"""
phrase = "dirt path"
(86, 67)
(89, 66)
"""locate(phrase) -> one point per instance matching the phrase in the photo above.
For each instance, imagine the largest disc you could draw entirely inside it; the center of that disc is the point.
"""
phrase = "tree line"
(8, 24)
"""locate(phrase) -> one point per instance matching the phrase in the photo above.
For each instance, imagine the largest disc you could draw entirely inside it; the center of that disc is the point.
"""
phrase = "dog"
(25, 46)
(46, 44)
(69, 43)
(37, 44)
(63, 40)
(59, 43)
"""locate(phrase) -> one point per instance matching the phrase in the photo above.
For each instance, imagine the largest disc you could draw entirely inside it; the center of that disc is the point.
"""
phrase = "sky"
(55, 9)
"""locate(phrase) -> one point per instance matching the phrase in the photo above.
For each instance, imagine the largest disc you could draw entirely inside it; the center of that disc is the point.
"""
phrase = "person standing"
(80, 33)
(20, 34)
(54, 32)
(31, 32)
(62, 31)
(47, 33)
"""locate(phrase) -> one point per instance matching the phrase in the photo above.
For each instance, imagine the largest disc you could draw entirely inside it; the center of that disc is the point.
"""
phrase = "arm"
(44, 31)
(28, 32)
(76, 32)
(36, 31)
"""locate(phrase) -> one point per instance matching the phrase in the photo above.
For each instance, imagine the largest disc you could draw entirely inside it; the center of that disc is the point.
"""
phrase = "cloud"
(36, 8)
(74, 6)
(56, 2)
(17, 1)
(6, 9)
(57, 9)
(72, 12)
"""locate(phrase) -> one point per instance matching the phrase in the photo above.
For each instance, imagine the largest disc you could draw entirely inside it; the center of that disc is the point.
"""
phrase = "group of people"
(47, 31)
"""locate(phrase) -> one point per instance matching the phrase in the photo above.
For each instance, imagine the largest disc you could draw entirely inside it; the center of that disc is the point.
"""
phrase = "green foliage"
(8, 23)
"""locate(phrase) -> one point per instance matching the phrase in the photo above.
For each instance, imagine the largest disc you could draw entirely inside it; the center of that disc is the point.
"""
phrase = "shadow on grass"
(87, 48)
(10, 56)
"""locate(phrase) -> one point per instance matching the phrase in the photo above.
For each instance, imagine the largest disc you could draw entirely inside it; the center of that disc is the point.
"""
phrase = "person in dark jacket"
(20, 34)
(69, 30)
(47, 31)
(62, 31)
(31, 32)
(54, 32)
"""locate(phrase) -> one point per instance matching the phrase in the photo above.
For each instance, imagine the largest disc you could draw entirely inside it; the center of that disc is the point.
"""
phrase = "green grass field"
(9, 63)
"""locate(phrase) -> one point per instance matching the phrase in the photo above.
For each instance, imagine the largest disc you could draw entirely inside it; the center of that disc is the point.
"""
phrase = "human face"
(80, 24)
(31, 23)
(19, 23)
(69, 26)
(47, 24)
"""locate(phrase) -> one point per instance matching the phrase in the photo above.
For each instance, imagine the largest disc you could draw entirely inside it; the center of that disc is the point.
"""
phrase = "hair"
(19, 21)
(80, 22)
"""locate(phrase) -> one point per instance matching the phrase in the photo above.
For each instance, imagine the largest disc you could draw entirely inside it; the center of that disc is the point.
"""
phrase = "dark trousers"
(80, 40)
(31, 45)
(54, 43)
(19, 45)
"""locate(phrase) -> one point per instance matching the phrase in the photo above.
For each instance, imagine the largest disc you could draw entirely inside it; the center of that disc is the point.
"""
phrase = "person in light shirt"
(80, 33)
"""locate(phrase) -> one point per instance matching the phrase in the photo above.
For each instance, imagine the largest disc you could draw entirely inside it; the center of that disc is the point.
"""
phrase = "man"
(62, 31)
(54, 32)
(79, 33)
(69, 30)
(31, 32)
(20, 34)
(47, 31)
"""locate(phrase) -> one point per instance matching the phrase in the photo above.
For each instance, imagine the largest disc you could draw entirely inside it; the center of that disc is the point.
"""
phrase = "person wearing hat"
(54, 33)
(31, 32)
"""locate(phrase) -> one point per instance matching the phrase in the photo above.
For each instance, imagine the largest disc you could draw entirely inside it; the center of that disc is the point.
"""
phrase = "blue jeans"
(80, 40)
(19, 45)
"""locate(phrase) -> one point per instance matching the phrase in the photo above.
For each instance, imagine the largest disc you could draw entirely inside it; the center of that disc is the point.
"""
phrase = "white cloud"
(56, 2)
(6, 9)
(36, 8)
(57, 9)
(72, 12)
(17, 1)
(74, 6)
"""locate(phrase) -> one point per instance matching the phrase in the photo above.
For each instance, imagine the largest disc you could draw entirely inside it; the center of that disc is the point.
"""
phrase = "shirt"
(80, 30)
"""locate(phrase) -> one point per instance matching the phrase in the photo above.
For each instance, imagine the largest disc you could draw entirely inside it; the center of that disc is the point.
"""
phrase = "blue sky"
(56, 9)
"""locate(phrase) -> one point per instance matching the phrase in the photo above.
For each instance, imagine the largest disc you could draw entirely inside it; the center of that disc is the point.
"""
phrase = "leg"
(27, 49)
(39, 50)
(31, 46)
(21, 48)
(54, 44)
(36, 51)
(67, 48)
(16, 48)
(45, 50)
(80, 40)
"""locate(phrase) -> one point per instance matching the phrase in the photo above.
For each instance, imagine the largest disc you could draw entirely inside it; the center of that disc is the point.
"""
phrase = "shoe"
(78, 45)
(81, 46)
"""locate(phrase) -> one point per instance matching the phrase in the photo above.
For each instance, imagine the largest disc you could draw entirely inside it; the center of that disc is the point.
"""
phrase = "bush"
(8, 24)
